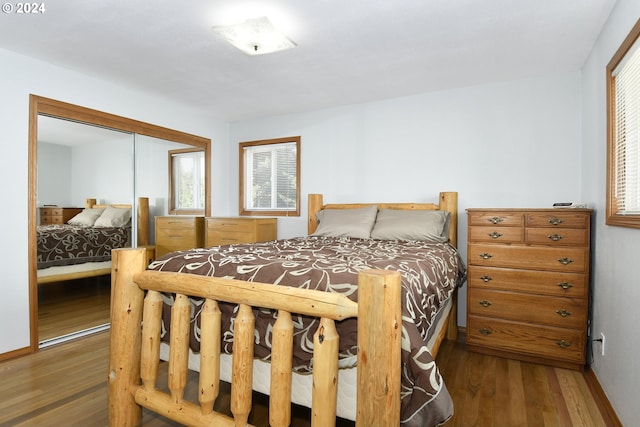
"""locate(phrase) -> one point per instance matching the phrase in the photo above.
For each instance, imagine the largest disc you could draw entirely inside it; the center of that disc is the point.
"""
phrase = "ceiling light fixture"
(255, 36)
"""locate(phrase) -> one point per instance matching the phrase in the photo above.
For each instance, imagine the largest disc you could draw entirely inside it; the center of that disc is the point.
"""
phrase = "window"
(623, 133)
(187, 181)
(270, 177)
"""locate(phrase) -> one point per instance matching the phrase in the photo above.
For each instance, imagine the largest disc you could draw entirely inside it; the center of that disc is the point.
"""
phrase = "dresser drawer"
(217, 238)
(228, 231)
(557, 236)
(176, 224)
(175, 233)
(567, 259)
(558, 219)
(230, 224)
(497, 234)
(536, 340)
(574, 285)
(555, 311)
(502, 219)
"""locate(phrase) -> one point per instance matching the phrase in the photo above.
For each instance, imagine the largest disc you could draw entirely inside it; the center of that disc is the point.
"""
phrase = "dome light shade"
(255, 36)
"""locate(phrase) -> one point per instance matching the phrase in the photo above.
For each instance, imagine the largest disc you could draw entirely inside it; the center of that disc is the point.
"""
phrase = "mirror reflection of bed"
(74, 264)
(68, 172)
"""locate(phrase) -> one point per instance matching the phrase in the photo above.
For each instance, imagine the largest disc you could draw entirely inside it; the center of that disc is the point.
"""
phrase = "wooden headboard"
(143, 215)
(448, 202)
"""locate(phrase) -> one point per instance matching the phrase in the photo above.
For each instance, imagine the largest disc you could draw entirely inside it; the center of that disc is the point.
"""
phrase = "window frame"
(172, 205)
(243, 210)
(612, 216)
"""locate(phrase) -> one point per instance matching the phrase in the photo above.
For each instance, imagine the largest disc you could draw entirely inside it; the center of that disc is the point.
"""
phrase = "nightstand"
(57, 215)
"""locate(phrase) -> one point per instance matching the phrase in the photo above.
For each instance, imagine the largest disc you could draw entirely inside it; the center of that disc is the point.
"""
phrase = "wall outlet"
(601, 344)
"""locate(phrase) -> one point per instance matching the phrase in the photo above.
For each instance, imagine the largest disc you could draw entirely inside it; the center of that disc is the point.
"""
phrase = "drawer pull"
(555, 237)
(563, 343)
(564, 313)
(565, 285)
(495, 235)
(485, 303)
(486, 278)
(555, 221)
(485, 255)
(565, 261)
(495, 220)
(485, 331)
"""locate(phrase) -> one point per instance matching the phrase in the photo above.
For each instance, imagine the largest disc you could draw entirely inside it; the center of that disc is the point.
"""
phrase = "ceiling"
(348, 52)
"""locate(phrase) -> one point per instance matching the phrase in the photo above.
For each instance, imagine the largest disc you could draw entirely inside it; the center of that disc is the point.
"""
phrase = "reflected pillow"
(346, 222)
(114, 217)
(427, 225)
(86, 218)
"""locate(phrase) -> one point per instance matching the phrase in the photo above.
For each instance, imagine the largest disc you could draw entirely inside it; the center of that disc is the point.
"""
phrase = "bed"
(342, 354)
(81, 249)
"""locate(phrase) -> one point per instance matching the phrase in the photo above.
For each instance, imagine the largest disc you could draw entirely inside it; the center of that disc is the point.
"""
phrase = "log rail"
(134, 351)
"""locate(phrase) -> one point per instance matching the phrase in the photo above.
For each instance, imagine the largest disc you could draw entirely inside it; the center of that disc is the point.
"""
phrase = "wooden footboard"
(134, 352)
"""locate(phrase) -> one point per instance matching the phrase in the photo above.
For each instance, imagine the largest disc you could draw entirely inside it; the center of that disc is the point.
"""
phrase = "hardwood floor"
(65, 385)
(72, 306)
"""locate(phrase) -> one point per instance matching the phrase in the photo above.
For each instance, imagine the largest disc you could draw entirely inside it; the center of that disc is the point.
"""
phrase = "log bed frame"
(143, 240)
(134, 351)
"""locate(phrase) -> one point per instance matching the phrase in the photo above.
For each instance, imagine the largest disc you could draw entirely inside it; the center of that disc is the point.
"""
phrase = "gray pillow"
(428, 225)
(86, 218)
(346, 222)
(114, 217)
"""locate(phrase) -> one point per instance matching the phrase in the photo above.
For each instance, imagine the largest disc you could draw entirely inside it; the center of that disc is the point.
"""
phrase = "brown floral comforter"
(430, 272)
(65, 244)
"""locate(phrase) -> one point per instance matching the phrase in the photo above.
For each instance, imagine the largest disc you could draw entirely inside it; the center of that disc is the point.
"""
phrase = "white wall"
(54, 175)
(103, 171)
(616, 282)
(509, 144)
(21, 76)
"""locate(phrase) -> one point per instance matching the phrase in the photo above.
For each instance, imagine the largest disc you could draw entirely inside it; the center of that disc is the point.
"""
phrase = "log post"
(379, 344)
(150, 352)
(126, 337)
(314, 204)
(281, 366)
(242, 365)
(179, 347)
(143, 221)
(325, 374)
(209, 381)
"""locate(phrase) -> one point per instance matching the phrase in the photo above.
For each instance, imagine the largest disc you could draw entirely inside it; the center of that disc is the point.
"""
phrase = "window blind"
(627, 133)
(271, 171)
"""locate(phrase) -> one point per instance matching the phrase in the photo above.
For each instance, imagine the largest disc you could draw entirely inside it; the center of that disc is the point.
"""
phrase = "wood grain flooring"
(65, 385)
(72, 306)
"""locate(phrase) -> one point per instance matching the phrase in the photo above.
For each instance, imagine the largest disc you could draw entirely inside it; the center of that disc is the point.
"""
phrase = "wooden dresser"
(176, 233)
(57, 215)
(227, 231)
(528, 284)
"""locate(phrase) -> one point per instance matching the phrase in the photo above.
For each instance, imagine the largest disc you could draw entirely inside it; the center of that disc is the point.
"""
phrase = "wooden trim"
(172, 206)
(51, 107)
(241, 206)
(15, 353)
(612, 218)
(606, 409)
